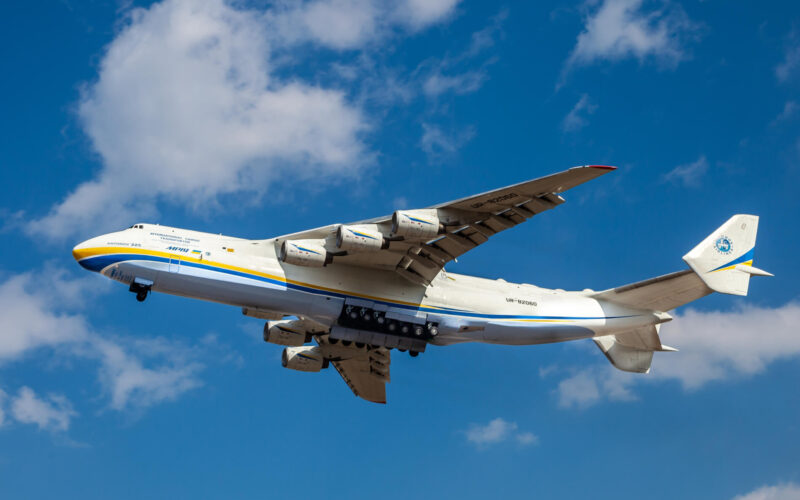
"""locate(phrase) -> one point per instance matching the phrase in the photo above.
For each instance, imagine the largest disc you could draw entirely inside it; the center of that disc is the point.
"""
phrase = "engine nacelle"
(309, 253)
(304, 359)
(417, 224)
(290, 332)
(360, 238)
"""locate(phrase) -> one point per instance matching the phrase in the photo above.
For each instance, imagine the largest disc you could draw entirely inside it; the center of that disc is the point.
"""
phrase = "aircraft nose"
(82, 251)
(76, 251)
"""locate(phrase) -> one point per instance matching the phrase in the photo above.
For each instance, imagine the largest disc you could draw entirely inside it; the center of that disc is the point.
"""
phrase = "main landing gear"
(370, 320)
(141, 288)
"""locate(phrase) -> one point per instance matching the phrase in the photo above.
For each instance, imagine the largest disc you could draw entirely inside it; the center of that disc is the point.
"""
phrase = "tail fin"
(724, 260)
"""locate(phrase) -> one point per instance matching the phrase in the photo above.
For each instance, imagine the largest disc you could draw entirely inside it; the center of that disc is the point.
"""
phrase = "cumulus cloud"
(498, 431)
(589, 386)
(787, 491)
(52, 414)
(133, 373)
(714, 346)
(187, 107)
(619, 29)
(690, 174)
(130, 383)
(196, 101)
(577, 118)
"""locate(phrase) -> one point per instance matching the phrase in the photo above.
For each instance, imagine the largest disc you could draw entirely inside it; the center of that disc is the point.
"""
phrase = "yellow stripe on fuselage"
(86, 253)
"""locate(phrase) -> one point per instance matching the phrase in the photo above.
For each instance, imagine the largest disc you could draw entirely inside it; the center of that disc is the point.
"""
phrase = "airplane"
(359, 290)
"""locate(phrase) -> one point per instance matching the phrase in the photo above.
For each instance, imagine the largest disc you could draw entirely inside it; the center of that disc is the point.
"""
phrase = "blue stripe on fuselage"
(100, 262)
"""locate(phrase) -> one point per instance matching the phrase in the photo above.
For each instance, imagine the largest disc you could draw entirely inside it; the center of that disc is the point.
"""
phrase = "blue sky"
(260, 119)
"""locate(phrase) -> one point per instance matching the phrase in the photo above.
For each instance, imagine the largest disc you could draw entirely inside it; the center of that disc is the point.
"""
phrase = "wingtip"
(602, 167)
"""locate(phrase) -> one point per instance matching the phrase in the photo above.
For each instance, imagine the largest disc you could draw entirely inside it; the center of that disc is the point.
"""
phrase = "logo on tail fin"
(724, 245)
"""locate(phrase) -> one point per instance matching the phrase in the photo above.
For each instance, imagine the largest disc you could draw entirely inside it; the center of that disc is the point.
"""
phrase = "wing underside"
(364, 369)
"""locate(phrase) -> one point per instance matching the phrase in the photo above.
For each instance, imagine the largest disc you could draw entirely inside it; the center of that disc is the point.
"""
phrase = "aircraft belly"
(527, 334)
(234, 290)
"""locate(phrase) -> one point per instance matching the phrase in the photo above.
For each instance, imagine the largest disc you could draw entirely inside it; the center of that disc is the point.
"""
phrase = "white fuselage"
(248, 274)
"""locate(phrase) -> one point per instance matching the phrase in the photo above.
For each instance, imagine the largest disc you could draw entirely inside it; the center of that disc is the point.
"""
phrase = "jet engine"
(304, 359)
(360, 238)
(310, 253)
(416, 224)
(289, 332)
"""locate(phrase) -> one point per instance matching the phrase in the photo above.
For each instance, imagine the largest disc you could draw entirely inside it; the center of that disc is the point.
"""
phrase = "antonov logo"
(724, 245)
(177, 249)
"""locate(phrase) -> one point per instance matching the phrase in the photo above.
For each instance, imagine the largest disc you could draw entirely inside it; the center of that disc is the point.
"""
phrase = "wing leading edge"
(463, 225)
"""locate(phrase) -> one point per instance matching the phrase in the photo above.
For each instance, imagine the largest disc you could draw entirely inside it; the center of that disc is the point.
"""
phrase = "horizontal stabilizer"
(632, 351)
(658, 294)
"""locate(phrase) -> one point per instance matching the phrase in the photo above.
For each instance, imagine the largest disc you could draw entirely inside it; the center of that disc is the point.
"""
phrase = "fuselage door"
(174, 263)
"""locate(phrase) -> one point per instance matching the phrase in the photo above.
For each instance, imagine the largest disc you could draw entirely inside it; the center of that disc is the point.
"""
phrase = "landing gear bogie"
(141, 288)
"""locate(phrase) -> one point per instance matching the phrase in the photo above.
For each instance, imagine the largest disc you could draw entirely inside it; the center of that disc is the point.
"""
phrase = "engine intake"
(309, 253)
(304, 359)
(360, 238)
(417, 224)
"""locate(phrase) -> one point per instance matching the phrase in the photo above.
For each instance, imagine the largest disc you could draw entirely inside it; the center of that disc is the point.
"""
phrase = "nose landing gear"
(141, 288)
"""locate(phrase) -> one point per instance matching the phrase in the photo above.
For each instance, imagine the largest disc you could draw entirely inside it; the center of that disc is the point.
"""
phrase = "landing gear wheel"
(413, 354)
(140, 296)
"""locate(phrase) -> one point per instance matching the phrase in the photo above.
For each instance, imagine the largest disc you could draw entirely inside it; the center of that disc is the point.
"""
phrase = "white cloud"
(789, 111)
(418, 14)
(788, 491)
(134, 373)
(527, 438)
(588, 386)
(486, 37)
(619, 29)
(352, 24)
(713, 345)
(131, 384)
(187, 107)
(787, 69)
(339, 24)
(53, 414)
(690, 174)
(463, 83)
(498, 431)
(718, 345)
(2, 407)
(577, 118)
(438, 145)
(578, 390)
(30, 321)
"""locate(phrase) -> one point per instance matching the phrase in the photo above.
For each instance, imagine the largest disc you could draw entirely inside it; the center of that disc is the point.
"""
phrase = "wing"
(418, 254)
(364, 369)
